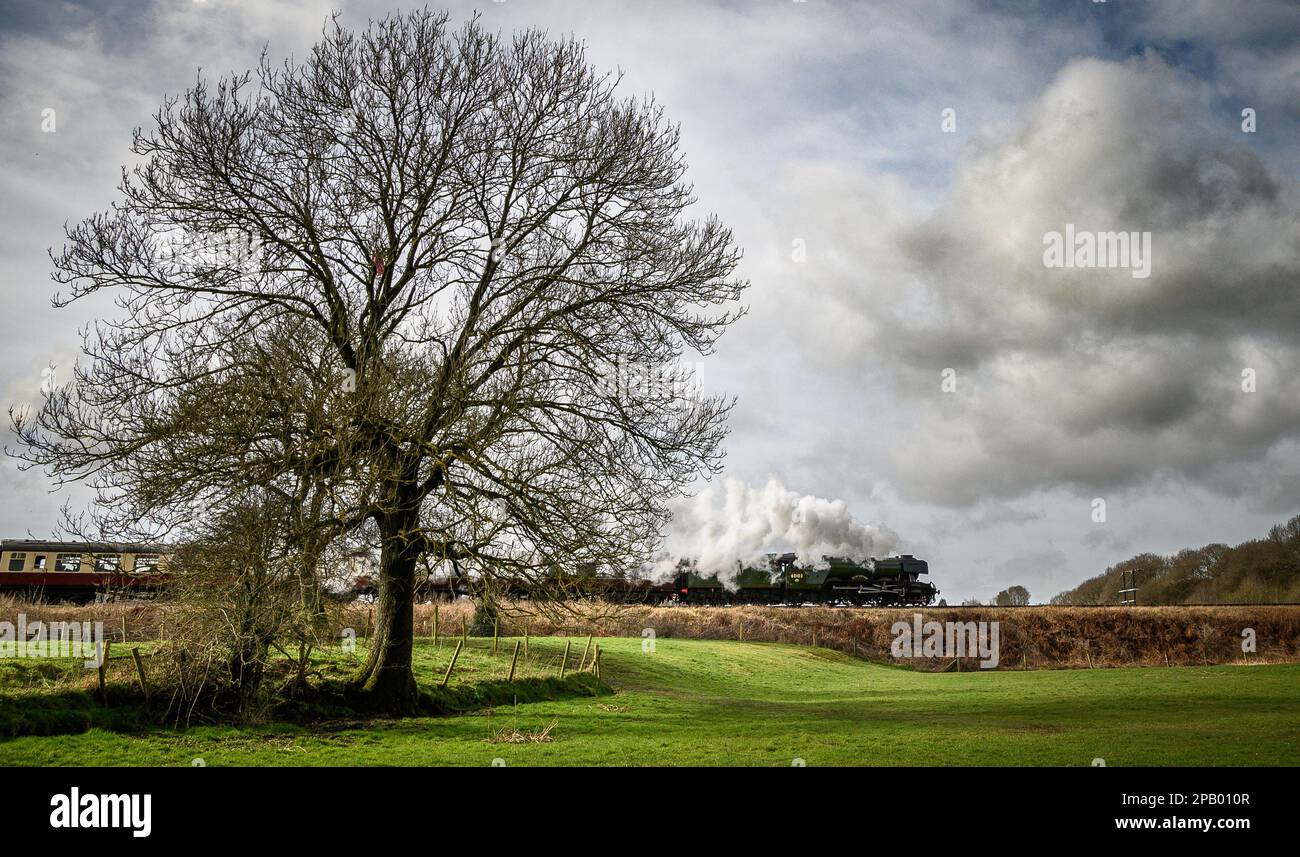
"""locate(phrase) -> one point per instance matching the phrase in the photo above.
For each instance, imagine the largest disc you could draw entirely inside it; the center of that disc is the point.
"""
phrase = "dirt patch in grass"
(512, 735)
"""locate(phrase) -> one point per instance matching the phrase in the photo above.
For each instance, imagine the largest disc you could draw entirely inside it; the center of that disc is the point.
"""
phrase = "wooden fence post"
(435, 625)
(464, 630)
(139, 668)
(585, 650)
(525, 641)
(597, 660)
(103, 668)
(514, 660)
(495, 627)
(565, 662)
(452, 665)
(124, 628)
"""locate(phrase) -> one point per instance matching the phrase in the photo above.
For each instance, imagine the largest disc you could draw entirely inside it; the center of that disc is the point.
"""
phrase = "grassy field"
(732, 703)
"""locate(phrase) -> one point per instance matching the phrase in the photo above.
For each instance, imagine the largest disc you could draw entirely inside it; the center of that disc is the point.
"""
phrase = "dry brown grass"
(143, 618)
(523, 736)
(1031, 637)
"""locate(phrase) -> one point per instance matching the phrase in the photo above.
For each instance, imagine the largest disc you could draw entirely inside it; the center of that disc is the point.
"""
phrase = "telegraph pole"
(1129, 594)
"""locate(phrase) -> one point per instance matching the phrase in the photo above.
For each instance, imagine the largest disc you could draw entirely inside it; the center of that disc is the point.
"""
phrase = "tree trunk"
(309, 589)
(386, 683)
(314, 542)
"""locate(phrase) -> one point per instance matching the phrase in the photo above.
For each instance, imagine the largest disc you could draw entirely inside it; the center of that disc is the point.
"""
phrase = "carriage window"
(40, 562)
(17, 561)
(108, 562)
(146, 562)
(67, 562)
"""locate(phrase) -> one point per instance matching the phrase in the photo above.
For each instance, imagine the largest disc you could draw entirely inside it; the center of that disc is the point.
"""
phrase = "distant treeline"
(1260, 570)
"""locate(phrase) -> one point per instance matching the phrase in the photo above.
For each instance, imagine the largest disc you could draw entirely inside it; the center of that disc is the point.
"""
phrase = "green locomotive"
(893, 581)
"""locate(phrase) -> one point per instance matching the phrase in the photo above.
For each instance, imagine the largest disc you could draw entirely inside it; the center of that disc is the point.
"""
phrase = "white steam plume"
(731, 521)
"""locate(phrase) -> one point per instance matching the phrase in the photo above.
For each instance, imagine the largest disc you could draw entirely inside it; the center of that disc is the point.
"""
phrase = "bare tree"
(1014, 596)
(236, 604)
(462, 264)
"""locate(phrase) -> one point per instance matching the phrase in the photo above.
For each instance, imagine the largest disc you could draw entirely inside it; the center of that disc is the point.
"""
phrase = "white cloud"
(730, 522)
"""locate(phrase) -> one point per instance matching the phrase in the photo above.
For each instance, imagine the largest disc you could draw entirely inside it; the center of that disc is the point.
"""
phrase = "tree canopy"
(1263, 570)
(390, 284)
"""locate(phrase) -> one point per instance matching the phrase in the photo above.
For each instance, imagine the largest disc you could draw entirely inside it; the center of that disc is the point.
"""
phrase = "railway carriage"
(81, 571)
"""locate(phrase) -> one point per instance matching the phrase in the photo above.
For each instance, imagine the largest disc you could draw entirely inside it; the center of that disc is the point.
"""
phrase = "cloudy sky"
(909, 363)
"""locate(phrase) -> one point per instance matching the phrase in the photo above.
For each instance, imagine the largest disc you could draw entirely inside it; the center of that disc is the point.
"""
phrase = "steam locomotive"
(893, 581)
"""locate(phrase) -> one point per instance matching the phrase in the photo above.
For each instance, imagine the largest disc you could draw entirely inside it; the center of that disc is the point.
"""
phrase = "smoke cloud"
(731, 522)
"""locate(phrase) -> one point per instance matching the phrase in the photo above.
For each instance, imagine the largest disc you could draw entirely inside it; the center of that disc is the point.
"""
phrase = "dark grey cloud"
(1083, 377)
(119, 25)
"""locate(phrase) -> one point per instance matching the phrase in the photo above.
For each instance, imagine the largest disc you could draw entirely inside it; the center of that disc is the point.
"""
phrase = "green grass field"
(729, 703)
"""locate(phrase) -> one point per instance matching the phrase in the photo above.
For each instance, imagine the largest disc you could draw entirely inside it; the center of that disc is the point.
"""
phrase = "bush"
(487, 617)
(243, 599)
